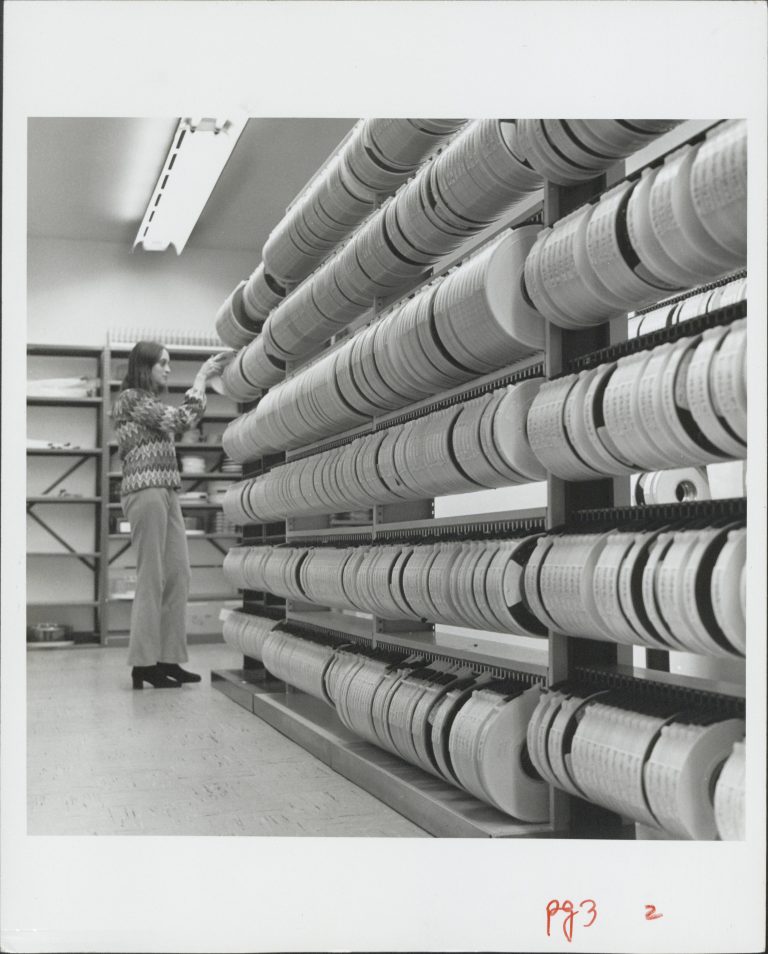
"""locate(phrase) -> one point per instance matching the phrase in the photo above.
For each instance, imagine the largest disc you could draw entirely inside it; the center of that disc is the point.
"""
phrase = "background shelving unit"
(95, 614)
(73, 536)
(561, 658)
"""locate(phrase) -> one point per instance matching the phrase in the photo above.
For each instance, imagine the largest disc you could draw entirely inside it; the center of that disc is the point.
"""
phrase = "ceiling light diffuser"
(198, 154)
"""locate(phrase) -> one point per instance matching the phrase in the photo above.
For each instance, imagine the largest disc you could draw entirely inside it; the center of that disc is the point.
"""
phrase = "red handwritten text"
(570, 913)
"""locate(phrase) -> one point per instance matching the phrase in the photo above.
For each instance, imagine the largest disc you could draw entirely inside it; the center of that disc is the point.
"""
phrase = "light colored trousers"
(159, 612)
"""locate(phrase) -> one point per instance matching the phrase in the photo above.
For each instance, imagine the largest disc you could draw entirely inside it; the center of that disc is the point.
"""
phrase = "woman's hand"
(215, 364)
(210, 368)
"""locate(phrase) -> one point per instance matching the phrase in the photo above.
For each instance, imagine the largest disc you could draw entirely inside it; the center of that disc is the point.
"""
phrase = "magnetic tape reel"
(559, 739)
(262, 293)
(547, 707)
(466, 446)
(464, 737)
(502, 770)
(679, 772)
(730, 796)
(233, 325)
(608, 755)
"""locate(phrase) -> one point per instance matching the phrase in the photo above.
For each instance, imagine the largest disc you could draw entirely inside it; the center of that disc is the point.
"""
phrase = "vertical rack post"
(103, 482)
(565, 497)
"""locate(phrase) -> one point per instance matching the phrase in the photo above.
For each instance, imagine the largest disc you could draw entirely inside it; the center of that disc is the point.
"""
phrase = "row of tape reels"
(666, 588)
(479, 443)
(242, 315)
(464, 189)
(413, 230)
(472, 322)
(378, 156)
(681, 224)
(682, 773)
(462, 726)
(425, 345)
(569, 151)
(467, 186)
(698, 198)
(683, 402)
(671, 588)
(475, 584)
(679, 403)
(679, 773)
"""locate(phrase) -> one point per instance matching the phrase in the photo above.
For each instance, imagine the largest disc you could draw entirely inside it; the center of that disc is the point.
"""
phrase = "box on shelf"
(122, 585)
(204, 617)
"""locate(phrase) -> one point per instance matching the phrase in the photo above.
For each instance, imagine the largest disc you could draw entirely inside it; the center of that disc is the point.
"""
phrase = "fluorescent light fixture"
(198, 154)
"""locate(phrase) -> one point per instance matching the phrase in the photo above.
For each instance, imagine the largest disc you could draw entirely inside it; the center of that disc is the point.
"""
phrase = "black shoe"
(152, 675)
(174, 671)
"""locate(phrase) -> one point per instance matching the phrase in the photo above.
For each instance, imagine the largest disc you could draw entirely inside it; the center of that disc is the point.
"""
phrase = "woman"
(145, 428)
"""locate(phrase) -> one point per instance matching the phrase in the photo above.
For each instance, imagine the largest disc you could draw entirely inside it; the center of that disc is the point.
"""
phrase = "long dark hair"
(141, 360)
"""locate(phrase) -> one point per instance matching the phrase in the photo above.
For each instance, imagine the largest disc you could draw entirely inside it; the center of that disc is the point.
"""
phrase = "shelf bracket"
(67, 472)
(59, 539)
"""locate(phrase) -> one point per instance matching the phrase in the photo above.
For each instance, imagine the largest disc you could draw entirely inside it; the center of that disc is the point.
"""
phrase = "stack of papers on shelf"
(64, 387)
(33, 444)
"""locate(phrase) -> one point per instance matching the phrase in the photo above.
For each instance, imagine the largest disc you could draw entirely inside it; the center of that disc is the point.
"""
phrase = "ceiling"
(91, 178)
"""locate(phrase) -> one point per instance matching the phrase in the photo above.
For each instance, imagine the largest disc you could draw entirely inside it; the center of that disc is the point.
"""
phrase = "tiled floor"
(104, 760)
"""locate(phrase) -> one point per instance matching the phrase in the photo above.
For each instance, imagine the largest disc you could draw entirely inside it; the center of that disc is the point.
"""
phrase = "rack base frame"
(438, 808)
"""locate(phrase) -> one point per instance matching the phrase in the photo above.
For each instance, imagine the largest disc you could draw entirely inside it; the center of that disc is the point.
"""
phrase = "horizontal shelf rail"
(185, 505)
(190, 446)
(461, 527)
(202, 598)
(60, 499)
(731, 508)
(114, 385)
(63, 452)
(466, 527)
(690, 692)
(38, 401)
(691, 292)
(683, 329)
(42, 604)
(333, 536)
(176, 351)
(70, 351)
(207, 475)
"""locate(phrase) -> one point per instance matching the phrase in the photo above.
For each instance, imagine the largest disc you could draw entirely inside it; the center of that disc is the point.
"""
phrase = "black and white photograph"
(387, 582)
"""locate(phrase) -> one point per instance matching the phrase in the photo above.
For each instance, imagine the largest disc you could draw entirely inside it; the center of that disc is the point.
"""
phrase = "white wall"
(78, 290)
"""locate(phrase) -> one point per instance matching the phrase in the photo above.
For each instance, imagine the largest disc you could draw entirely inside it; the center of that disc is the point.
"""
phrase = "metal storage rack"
(71, 460)
(108, 546)
(569, 660)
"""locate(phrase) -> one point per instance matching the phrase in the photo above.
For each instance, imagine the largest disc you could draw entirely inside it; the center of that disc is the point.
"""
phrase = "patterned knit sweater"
(145, 429)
